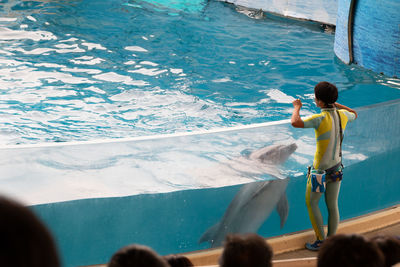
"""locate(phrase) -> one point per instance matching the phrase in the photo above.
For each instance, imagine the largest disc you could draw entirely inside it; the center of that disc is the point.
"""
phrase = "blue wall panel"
(376, 35)
(341, 41)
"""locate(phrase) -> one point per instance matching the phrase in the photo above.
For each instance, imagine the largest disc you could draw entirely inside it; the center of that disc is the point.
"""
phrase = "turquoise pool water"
(85, 70)
(129, 70)
(90, 231)
(192, 181)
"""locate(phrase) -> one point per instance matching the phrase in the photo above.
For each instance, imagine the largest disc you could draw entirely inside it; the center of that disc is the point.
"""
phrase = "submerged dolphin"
(255, 201)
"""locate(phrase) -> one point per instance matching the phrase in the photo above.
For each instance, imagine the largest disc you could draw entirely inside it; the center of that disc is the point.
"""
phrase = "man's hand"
(340, 106)
(297, 103)
(296, 120)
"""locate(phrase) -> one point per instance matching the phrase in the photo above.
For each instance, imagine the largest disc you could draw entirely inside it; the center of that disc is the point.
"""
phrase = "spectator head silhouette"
(246, 250)
(178, 261)
(390, 247)
(348, 251)
(137, 256)
(25, 240)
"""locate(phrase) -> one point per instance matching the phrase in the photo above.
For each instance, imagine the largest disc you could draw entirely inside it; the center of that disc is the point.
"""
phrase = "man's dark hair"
(326, 92)
(349, 251)
(390, 247)
(25, 240)
(178, 261)
(137, 255)
(246, 250)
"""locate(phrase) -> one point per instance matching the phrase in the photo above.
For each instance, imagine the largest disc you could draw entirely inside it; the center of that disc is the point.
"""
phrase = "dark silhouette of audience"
(349, 251)
(178, 261)
(251, 250)
(246, 250)
(390, 247)
(25, 240)
(137, 256)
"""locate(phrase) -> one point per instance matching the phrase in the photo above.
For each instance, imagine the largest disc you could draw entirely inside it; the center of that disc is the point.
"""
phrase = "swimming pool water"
(165, 192)
(88, 231)
(173, 222)
(85, 70)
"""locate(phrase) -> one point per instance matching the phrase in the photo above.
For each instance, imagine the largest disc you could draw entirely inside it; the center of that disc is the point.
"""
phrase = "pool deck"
(289, 249)
(304, 257)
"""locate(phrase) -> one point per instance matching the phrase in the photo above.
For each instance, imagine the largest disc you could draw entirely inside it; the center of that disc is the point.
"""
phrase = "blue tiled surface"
(376, 35)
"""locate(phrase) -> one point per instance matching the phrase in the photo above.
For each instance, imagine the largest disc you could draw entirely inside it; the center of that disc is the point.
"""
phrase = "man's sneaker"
(314, 246)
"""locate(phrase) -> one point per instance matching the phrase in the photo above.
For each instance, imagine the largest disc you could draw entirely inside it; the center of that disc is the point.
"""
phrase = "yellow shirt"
(327, 135)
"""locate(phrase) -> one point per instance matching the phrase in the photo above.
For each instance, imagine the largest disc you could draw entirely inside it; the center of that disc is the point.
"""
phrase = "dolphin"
(255, 201)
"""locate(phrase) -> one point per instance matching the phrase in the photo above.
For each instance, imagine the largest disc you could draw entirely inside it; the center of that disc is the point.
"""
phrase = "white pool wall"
(323, 11)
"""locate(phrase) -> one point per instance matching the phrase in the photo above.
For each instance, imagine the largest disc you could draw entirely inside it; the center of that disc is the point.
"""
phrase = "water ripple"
(79, 70)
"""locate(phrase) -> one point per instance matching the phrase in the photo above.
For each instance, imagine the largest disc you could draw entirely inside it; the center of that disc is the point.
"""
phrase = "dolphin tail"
(283, 208)
(210, 234)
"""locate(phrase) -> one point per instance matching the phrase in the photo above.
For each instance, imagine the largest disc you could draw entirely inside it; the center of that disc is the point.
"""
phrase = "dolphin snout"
(293, 146)
(290, 149)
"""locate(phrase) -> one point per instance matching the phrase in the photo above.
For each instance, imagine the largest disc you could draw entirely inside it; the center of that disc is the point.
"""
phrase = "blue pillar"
(372, 38)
